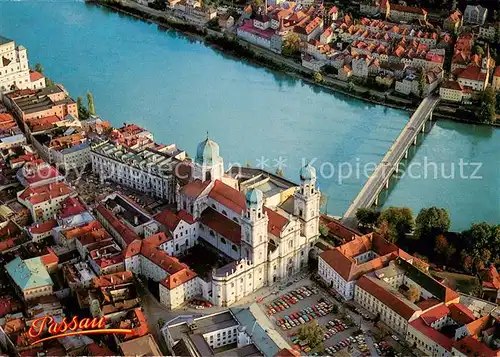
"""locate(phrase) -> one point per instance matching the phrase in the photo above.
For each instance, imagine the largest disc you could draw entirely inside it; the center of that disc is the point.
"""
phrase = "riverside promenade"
(390, 162)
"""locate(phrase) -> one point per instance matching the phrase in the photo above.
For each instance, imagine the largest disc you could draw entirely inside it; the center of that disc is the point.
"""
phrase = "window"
(222, 240)
(212, 233)
(234, 248)
(224, 212)
(213, 206)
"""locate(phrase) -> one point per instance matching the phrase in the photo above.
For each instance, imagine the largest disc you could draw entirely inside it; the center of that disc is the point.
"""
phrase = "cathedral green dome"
(308, 173)
(254, 198)
(207, 152)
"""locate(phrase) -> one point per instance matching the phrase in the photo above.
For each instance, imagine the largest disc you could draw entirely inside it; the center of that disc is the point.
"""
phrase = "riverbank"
(240, 49)
(259, 56)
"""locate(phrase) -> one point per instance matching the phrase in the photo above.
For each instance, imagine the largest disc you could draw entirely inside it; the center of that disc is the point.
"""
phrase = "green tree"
(312, 333)
(413, 293)
(487, 110)
(39, 68)
(399, 220)
(421, 82)
(90, 103)
(83, 113)
(323, 230)
(441, 245)
(280, 172)
(291, 44)
(317, 77)
(367, 217)
(478, 237)
(431, 222)
(478, 50)
(257, 3)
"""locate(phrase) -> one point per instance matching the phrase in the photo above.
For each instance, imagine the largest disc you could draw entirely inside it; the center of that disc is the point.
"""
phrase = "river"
(179, 89)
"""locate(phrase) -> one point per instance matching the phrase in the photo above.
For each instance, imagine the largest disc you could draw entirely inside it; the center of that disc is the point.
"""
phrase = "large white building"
(150, 171)
(268, 236)
(14, 70)
(264, 225)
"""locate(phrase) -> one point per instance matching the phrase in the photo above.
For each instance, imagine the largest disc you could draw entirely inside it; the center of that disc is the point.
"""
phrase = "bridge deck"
(387, 166)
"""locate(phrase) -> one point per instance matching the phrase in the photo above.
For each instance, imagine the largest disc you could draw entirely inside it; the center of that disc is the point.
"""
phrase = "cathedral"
(264, 223)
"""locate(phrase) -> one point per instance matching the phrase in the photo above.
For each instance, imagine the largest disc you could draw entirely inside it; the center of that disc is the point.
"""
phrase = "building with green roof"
(30, 277)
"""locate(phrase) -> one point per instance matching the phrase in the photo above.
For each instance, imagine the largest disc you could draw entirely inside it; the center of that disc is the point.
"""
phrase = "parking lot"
(315, 304)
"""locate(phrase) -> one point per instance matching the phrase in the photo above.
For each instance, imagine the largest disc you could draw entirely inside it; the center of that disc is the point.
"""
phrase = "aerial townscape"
(113, 243)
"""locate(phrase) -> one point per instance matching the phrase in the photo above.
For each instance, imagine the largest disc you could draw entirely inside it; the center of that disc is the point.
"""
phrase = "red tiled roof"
(36, 195)
(461, 314)
(228, 197)
(35, 76)
(158, 238)
(195, 188)
(475, 327)
(49, 258)
(113, 279)
(168, 218)
(451, 85)
(490, 277)
(88, 233)
(42, 173)
(133, 248)
(394, 302)
(276, 222)
(410, 9)
(287, 352)
(71, 206)
(433, 334)
(473, 73)
(179, 278)
(123, 230)
(222, 225)
(39, 228)
(471, 346)
(435, 314)
(427, 304)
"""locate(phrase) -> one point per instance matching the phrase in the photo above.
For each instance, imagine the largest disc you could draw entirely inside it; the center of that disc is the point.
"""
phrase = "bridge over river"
(390, 162)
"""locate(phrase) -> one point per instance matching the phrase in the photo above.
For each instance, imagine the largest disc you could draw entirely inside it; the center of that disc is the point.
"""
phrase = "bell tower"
(208, 165)
(306, 202)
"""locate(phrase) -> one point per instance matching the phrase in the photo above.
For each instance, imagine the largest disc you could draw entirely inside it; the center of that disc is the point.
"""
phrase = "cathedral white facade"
(14, 70)
(265, 224)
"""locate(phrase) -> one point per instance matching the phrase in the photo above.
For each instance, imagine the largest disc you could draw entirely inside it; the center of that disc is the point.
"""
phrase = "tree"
(421, 82)
(431, 222)
(478, 236)
(386, 231)
(39, 68)
(413, 293)
(90, 103)
(487, 110)
(323, 230)
(400, 221)
(441, 245)
(466, 261)
(312, 333)
(257, 3)
(478, 50)
(317, 77)
(367, 217)
(291, 44)
(280, 172)
(82, 111)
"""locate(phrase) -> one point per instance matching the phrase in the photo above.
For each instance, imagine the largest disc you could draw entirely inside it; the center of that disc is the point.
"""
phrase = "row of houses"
(398, 288)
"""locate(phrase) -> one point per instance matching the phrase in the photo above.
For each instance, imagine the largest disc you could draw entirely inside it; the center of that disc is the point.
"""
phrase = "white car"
(396, 338)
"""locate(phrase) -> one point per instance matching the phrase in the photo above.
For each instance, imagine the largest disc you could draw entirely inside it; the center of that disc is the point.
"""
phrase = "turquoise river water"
(179, 89)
